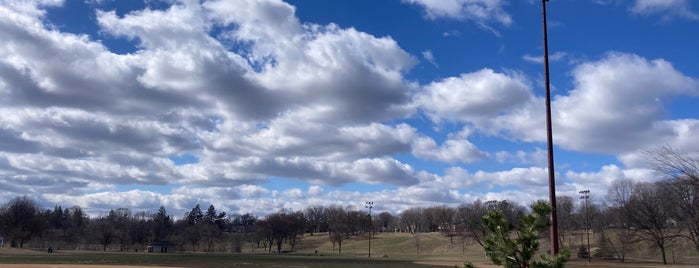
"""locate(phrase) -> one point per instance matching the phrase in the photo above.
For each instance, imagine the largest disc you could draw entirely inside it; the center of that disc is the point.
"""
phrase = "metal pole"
(370, 205)
(549, 139)
(586, 196)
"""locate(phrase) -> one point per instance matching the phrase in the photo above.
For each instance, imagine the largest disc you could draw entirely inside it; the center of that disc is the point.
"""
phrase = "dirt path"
(74, 266)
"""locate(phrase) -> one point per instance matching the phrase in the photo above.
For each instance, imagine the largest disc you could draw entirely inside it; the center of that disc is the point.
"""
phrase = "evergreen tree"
(503, 249)
(195, 216)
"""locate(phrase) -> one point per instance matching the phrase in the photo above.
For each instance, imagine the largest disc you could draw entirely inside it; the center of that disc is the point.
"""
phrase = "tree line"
(659, 213)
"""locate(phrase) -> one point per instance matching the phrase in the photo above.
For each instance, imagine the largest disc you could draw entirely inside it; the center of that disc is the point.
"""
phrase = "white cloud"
(267, 96)
(538, 157)
(474, 97)
(556, 56)
(480, 11)
(667, 9)
(429, 57)
(598, 182)
(456, 148)
(617, 104)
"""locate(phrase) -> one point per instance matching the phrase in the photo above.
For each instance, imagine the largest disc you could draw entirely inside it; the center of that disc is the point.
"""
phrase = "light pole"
(549, 138)
(370, 205)
(585, 194)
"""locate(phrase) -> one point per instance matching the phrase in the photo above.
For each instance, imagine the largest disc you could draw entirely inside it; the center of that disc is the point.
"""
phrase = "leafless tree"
(20, 220)
(565, 207)
(672, 163)
(684, 195)
(469, 217)
(412, 219)
(337, 226)
(619, 197)
(650, 214)
(682, 171)
(385, 220)
(315, 218)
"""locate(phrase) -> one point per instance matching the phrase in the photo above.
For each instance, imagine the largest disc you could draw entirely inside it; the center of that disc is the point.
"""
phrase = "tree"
(649, 212)
(502, 249)
(284, 226)
(296, 224)
(683, 172)
(438, 218)
(244, 223)
(565, 206)
(470, 216)
(315, 218)
(120, 219)
(685, 195)
(210, 216)
(412, 219)
(264, 234)
(162, 224)
(385, 220)
(194, 216)
(337, 226)
(619, 196)
(139, 229)
(672, 163)
(20, 220)
(78, 224)
(103, 229)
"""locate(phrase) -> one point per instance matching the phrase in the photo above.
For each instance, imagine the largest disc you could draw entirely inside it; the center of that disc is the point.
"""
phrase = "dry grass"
(388, 250)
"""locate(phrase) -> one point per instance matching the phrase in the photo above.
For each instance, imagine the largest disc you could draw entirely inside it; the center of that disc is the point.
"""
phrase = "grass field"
(388, 250)
(204, 260)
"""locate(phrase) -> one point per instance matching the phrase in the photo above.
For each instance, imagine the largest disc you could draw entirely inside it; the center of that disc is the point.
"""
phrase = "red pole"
(549, 139)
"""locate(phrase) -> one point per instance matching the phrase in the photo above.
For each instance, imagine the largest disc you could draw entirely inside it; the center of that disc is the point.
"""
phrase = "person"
(50, 250)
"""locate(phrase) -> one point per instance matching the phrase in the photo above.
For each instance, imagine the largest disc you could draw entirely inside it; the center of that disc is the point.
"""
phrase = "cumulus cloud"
(538, 157)
(480, 11)
(455, 149)
(265, 96)
(617, 104)
(498, 104)
(474, 97)
(667, 9)
(252, 93)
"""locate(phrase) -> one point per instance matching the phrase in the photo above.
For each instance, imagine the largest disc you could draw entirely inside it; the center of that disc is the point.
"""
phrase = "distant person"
(50, 250)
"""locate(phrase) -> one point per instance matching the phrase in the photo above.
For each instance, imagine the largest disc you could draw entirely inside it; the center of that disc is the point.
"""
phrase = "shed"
(161, 247)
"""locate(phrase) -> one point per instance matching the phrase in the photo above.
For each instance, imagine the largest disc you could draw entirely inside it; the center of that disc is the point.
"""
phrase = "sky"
(259, 105)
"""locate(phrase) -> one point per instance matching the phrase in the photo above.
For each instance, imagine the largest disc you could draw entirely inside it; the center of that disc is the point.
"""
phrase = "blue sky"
(259, 105)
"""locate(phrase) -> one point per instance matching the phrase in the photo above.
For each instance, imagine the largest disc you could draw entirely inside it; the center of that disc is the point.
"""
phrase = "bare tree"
(619, 197)
(338, 229)
(565, 207)
(683, 172)
(684, 194)
(103, 229)
(470, 216)
(650, 213)
(19, 220)
(385, 220)
(412, 219)
(672, 163)
(315, 217)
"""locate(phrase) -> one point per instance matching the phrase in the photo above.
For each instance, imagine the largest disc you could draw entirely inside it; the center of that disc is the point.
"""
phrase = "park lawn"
(387, 250)
(197, 260)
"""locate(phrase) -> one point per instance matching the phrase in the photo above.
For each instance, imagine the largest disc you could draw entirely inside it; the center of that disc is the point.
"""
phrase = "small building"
(161, 247)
